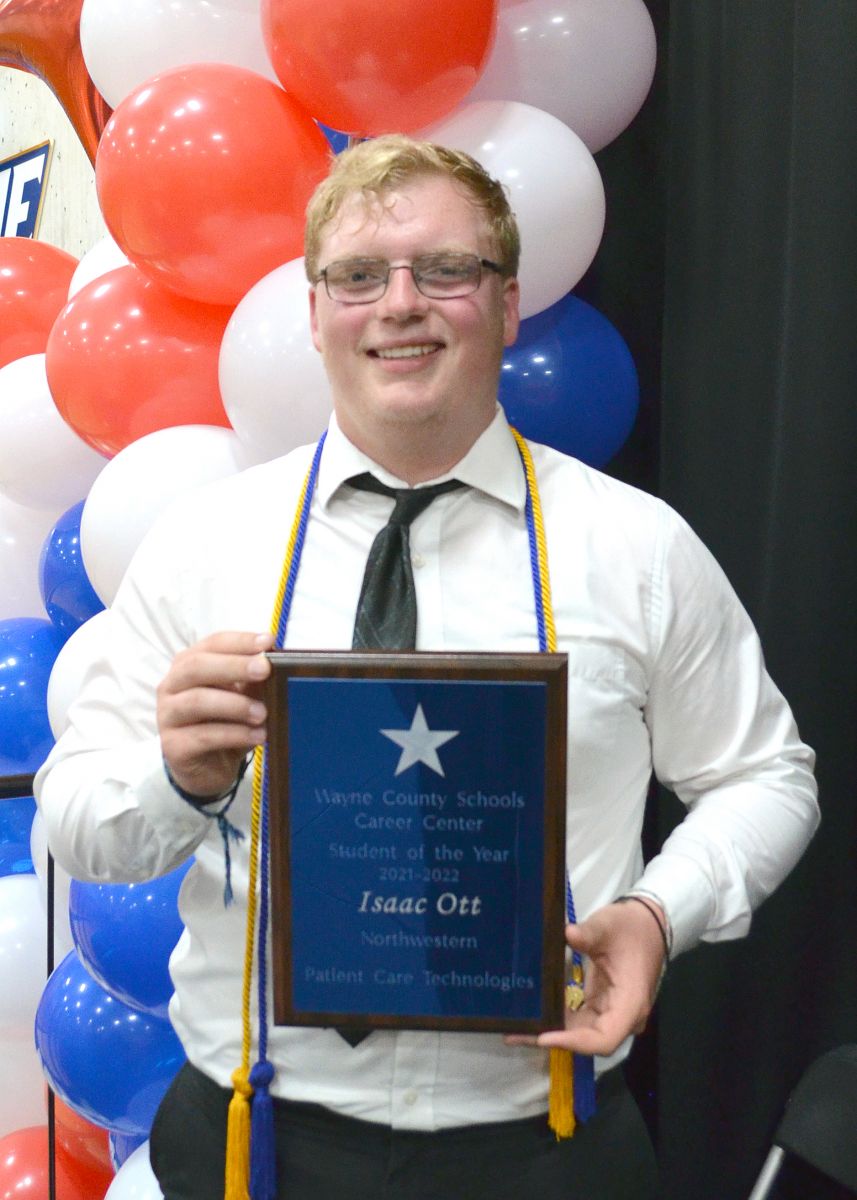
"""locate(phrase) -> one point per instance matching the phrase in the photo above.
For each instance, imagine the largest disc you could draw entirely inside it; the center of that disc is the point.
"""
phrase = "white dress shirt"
(665, 674)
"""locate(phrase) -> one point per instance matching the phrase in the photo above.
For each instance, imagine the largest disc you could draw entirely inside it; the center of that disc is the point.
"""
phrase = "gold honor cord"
(561, 1093)
(238, 1119)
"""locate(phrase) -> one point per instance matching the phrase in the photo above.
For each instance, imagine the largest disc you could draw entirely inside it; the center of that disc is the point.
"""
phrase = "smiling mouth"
(406, 351)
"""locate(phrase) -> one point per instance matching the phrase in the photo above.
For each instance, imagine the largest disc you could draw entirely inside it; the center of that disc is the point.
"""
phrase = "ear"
(511, 311)
(313, 319)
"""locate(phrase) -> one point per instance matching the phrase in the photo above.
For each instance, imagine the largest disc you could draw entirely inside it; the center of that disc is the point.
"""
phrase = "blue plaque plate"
(418, 832)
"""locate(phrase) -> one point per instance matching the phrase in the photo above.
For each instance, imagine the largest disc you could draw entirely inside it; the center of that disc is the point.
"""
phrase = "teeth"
(406, 351)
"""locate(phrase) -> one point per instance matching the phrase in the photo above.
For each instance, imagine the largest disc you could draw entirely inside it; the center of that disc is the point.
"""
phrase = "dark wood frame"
(12, 786)
(550, 669)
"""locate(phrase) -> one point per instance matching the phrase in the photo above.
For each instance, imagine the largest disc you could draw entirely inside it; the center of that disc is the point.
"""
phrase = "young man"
(412, 257)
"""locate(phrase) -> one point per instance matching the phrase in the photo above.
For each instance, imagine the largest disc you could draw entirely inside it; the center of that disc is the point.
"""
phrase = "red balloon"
(126, 357)
(43, 38)
(203, 175)
(370, 67)
(34, 281)
(24, 1170)
(80, 1140)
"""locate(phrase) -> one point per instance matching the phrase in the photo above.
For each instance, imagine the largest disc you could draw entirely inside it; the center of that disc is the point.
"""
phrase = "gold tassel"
(561, 1097)
(238, 1138)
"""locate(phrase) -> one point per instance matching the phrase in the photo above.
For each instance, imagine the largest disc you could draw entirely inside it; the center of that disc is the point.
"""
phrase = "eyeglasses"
(438, 276)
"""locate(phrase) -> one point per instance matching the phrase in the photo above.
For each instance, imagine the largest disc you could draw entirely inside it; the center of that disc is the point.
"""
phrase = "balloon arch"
(178, 351)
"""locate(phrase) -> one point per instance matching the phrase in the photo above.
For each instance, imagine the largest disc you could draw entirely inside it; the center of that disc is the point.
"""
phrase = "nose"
(402, 298)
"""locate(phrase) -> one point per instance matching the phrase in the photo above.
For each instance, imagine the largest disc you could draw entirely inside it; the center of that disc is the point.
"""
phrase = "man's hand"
(208, 711)
(625, 955)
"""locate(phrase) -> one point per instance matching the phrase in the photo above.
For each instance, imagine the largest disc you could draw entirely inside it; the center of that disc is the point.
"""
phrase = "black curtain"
(730, 265)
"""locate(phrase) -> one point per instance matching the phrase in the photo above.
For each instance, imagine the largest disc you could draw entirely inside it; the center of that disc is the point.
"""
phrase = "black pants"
(323, 1156)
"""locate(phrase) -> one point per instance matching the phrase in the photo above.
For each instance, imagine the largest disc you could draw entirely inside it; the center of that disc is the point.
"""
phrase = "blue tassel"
(584, 1087)
(263, 1154)
(227, 831)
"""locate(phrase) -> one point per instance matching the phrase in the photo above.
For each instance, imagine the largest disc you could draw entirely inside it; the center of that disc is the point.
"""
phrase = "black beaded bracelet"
(202, 801)
(661, 930)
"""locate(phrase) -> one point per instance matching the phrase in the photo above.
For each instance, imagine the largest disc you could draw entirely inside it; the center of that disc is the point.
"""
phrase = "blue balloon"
(68, 596)
(28, 649)
(125, 933)
(570, 382)
(336, 140)
(110, 1063)
(122, 1146)
(16, 823)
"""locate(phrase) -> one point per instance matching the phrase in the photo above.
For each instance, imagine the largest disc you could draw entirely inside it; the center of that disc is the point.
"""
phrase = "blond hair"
(381, 164)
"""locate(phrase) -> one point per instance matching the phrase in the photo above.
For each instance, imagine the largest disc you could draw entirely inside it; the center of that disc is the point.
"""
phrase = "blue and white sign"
(23, 179)
(416, 855)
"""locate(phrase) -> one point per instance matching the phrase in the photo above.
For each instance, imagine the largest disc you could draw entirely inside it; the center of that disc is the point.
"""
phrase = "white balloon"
(63, 941)
(23, 1097)
(272, 380)
(555, 189)
(22, 534)
(23, 954)
(135, 1179)
(43, 463)
(139, 483)
(125, 42)
(104, 256)
(588, 62)
(70, 668)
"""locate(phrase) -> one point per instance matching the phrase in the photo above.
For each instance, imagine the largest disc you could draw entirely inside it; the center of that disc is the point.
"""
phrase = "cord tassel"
(238, 1138)
(584, 1087)
(263, 1154)
(561, 1095)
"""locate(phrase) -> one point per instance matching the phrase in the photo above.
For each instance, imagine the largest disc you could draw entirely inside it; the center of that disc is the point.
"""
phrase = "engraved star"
(419, 743)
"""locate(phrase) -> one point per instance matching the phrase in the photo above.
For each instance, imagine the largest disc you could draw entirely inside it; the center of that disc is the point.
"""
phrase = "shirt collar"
(492, 465)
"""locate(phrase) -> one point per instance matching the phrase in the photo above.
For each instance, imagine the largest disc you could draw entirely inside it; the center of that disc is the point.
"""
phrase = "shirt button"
(411, 1097)
(418, 561)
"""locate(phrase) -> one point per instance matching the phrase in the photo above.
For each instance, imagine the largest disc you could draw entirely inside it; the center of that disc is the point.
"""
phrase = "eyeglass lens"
(437, 276)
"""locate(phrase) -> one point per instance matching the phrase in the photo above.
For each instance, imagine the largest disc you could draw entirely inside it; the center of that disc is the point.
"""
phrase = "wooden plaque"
(417, 821)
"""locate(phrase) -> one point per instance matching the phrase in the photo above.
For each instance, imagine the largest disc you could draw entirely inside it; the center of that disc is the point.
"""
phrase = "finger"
(193, 744)
(197, 706)
(578, 1026)
(597, 1030)
(588, 1031)
(236, 642)
(201, 668)
(231, 643)
(580, 938)
(579, 1041)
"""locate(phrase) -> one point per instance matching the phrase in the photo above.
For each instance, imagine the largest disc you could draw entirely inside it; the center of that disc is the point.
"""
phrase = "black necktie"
(387, 609)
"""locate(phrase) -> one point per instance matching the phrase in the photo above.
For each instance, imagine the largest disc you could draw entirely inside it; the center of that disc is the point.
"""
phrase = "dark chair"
(819, 1124)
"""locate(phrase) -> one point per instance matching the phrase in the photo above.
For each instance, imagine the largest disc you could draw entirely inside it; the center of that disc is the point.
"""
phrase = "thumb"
(579, 938)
